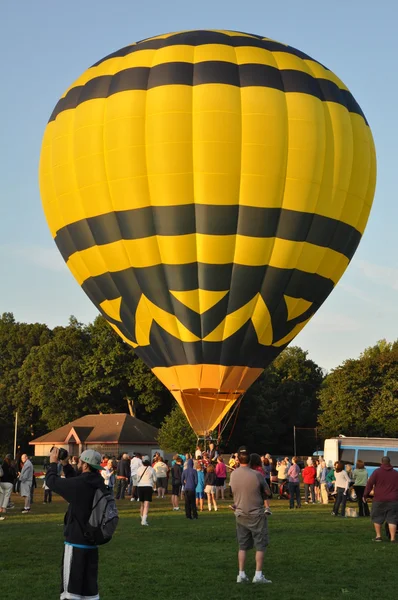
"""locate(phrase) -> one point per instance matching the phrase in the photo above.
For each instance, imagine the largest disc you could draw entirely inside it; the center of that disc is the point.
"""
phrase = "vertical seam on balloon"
(196, 237)
(73, 129)
(150, 204)
(163, 266)
(113, 207)
(239, 207)
(324, 108)
(282, 192)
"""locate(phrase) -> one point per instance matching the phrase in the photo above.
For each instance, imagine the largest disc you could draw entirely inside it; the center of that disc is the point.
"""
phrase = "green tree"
(360, 397)
(51, 375)
(176, 434)
(16, 342)
(284, 396)
(117, 380)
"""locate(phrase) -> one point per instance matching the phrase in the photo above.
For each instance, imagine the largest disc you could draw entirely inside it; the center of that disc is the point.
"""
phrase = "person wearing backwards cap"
(79, 574)
(249, 490)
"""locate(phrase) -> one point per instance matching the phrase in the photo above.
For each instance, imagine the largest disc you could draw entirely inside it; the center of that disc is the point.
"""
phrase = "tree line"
(53, 376)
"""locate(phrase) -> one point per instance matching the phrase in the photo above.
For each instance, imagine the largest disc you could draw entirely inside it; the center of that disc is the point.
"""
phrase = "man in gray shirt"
(249, 491)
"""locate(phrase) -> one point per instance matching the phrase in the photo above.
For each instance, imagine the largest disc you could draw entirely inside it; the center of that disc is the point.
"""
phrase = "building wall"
(110, 449)
(44, 449)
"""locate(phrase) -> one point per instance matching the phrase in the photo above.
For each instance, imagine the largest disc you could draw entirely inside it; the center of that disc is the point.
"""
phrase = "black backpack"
(103, 519)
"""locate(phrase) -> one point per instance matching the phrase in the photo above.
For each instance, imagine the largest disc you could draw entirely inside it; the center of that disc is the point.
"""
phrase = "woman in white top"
(341, 485)
(161, 470)
(146, 481)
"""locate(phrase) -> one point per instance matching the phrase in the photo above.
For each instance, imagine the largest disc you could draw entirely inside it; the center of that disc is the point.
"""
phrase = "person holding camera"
(80, 559)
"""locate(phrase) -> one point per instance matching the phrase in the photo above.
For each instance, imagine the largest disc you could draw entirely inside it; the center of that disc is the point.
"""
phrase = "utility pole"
(294, 440)
(15, 435)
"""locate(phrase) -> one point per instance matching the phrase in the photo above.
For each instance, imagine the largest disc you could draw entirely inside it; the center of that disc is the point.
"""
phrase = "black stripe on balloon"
(292, 282)
(182, 73)
(202, 37)
(209, 220)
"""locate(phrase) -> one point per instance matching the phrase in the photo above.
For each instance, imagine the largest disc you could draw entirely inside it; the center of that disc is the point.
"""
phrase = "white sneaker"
(144, 523)
(177, 508)
(242, 579)
(267, 511)
(132, 499)
(209, 508)
(261, 579)
(2, 518)
(25, 511)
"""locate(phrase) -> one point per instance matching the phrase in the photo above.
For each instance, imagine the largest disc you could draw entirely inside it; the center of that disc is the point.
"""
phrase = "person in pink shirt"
(293, 477)
(221, 474)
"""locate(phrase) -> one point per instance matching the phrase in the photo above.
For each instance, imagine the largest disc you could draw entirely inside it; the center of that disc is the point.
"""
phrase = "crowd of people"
(201, 480)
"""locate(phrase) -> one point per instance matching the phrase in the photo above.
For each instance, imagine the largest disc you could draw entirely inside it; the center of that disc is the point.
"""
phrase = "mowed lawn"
(312, 555)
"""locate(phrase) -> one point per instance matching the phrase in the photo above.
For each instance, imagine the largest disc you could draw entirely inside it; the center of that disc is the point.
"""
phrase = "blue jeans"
(294, 492)
(341, 498)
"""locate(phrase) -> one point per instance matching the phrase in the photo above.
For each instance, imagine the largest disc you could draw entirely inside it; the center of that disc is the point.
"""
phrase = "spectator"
(6, 485)
(80, 559)
(293, 476)
(145, 483)
(161, 469)
(384, 482)
(108, 473)
(135, 464)
(360, 477)
(249, 491)
(309, 476)
(26, 480)
(190, 481)
(257, 465)
(213, 453)
(198, 452)
(122, 476)
(210, 487)
(267, 470)
(200, 488)
(341, 485)
(176, 477)
(323, 483)
(282, 469)
(221, 475)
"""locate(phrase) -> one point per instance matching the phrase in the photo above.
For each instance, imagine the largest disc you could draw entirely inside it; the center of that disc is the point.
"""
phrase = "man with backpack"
(91, 508)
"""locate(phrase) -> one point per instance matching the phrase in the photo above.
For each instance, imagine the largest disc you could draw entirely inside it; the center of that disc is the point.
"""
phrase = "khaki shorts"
(252, 532)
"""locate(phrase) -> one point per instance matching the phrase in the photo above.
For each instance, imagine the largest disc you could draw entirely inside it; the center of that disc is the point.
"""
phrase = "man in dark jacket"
(384, 482)
(79, 574)
(190, 481)
(122, 476)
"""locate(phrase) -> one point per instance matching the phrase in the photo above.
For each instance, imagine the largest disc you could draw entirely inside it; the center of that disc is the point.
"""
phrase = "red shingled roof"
(113, 428)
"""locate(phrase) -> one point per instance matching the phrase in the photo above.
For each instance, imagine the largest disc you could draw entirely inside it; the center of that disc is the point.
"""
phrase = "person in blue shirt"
(200, 487)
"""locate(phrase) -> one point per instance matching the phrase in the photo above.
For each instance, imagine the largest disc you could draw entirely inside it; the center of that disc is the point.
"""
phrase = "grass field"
(312, 556)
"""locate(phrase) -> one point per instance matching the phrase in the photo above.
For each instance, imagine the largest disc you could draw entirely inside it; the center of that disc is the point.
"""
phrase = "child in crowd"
(200, 488)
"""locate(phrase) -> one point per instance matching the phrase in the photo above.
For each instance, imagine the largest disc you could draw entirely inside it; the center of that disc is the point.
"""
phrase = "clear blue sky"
(46, 45)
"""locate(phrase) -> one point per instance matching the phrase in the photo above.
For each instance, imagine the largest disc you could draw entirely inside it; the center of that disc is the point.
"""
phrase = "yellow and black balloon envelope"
(207, 189)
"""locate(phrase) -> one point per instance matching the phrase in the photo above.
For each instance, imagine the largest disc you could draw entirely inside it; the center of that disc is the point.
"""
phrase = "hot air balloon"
(207, 189)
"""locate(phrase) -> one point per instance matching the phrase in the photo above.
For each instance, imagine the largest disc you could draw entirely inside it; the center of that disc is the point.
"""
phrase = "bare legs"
(144, 512)
(211, 499)
(392, 528)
